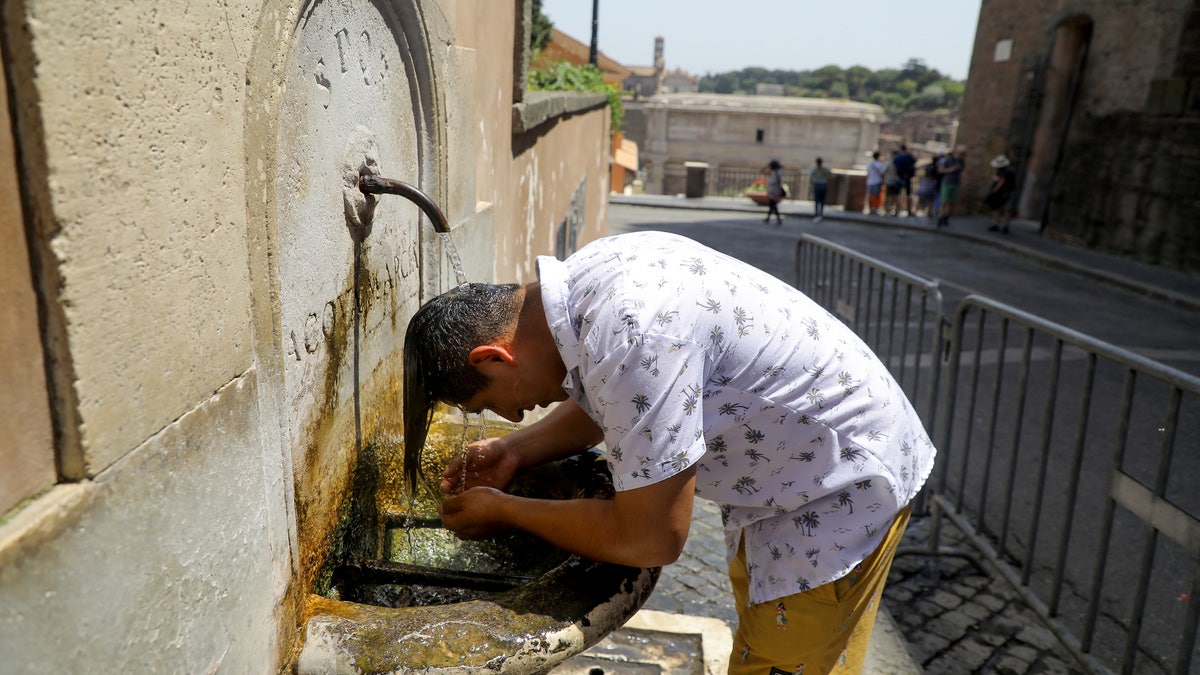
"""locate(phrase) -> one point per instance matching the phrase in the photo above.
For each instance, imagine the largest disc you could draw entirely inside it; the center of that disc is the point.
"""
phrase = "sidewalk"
(942, 615)
(1179, 288)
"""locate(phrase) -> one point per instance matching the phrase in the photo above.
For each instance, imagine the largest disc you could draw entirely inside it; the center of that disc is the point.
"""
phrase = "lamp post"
(592, 57)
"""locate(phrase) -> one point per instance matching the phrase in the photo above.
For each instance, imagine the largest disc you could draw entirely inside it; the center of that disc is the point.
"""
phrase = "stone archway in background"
(1063, 80)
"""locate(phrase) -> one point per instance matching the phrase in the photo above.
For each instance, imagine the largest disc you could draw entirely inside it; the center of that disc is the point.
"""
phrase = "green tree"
(857, 78)
(931, 97)
(539, 33)
(913, 86)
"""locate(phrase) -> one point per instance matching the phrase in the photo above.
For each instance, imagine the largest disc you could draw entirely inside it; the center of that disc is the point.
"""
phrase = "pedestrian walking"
(775, 191)
(819, 177)
(704, 377)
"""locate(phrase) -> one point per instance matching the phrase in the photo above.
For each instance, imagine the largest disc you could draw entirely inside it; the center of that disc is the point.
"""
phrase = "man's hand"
(474, 514)
(488, 463)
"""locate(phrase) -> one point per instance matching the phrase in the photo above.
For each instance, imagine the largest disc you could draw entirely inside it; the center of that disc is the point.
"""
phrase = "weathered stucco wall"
(26, 440)
(542, 168)
(221, 338)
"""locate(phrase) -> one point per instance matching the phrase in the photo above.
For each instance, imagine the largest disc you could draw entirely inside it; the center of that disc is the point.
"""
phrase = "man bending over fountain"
(704, 377)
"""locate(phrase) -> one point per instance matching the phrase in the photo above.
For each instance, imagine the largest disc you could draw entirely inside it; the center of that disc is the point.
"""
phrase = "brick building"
(1097, 102)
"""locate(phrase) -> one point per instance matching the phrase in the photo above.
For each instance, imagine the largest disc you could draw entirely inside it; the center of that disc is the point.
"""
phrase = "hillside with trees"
(915, 86)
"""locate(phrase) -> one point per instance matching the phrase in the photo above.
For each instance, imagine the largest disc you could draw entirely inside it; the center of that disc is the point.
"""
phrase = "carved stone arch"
(1062, 81)
(336, 88)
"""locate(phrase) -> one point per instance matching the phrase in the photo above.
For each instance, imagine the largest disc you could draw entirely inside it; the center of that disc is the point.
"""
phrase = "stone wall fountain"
(388, 590)
(435, 604)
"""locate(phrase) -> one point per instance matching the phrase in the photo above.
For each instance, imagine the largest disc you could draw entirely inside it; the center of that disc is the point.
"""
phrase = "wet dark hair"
(775, 164)
(439, 340)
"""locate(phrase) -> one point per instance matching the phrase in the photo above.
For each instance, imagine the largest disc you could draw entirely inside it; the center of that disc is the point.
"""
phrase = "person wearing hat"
(1001, 194)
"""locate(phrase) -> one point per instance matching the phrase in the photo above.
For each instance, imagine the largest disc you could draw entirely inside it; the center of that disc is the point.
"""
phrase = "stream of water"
(460, 277)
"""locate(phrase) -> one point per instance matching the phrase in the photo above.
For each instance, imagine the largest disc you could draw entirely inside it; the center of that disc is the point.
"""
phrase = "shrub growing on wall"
(563, 76)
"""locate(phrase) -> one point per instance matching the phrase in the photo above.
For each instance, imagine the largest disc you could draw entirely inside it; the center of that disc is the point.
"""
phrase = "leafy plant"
(563, 76)
(539, 34)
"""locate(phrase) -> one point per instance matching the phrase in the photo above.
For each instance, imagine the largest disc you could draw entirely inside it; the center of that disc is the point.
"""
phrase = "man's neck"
(533, 331)
(531, 320)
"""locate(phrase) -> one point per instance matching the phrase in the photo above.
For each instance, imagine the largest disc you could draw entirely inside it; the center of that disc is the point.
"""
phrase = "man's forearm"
(566, 430)
(646, 527)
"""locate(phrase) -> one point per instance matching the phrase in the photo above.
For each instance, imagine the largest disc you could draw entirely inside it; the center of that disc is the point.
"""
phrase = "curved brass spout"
(376, 185)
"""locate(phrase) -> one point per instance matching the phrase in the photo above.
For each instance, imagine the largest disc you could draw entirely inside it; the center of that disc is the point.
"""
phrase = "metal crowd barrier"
(898, 314)
(1070, 464)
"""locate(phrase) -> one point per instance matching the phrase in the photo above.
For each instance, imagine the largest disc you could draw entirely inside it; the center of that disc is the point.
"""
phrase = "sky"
(716, 36)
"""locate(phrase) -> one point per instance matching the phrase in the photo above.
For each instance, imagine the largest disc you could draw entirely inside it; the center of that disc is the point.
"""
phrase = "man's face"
(511, 393)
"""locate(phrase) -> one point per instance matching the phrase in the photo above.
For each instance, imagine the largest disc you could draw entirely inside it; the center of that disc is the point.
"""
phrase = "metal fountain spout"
(376, 185)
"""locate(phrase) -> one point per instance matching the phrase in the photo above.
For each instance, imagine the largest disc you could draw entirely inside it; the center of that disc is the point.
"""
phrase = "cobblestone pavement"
(955, 615)
(698, 583)
(958, 617)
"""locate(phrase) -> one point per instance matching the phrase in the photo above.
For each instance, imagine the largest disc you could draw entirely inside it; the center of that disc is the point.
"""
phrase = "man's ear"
(489, 353)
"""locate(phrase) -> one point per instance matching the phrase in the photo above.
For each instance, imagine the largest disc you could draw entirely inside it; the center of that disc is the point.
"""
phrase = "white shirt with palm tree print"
(685, 356)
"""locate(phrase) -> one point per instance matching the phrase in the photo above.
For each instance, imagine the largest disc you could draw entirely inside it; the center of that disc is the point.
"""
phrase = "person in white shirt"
(703, 377)
(875, 171)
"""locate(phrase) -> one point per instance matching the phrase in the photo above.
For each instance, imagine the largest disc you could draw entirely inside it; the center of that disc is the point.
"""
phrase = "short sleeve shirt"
(687, 357)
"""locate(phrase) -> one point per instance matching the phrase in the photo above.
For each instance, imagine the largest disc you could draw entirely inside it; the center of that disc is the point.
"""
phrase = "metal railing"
(734, 181)
(898, 314)
(1069, 463)
(1061, 458)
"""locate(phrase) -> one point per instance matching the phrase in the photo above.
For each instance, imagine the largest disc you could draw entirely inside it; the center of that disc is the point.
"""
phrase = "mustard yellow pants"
(822, 631)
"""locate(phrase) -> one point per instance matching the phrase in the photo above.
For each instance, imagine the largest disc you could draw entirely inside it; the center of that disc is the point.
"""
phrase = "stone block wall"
(1137, 197)
(220, 337)
(1130, 114)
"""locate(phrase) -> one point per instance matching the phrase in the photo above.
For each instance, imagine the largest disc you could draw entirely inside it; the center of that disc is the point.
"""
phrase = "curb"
(1182, 300)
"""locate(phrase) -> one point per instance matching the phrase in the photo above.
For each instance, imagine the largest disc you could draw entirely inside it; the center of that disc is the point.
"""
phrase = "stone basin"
(435, 604)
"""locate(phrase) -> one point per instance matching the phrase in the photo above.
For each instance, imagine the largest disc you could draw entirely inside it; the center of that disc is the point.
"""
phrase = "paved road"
(961, 266)
(955, 613)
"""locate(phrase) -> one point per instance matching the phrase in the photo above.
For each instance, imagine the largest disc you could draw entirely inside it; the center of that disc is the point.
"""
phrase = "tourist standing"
(819, 177)
(927, 189)
(1001, 194)
(906, 167)
(875, 171)
(891, 187)
(950, 168)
